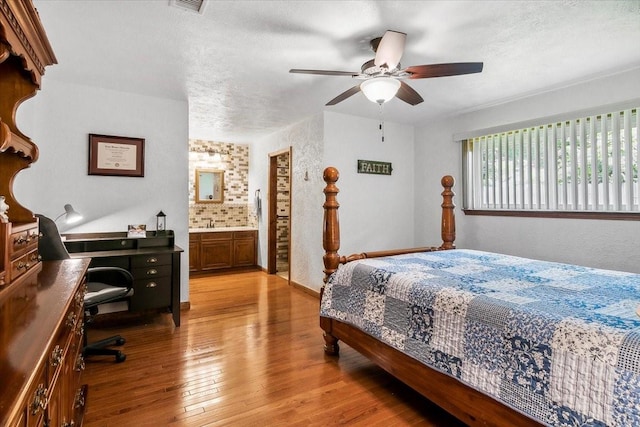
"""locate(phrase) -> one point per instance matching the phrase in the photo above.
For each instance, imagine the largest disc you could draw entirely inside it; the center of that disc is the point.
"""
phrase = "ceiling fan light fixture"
(380, 89)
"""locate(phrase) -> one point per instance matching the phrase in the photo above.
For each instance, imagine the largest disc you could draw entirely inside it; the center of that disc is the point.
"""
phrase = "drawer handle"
(71, 320)
(20, 240)
(152, 285)
(152, 260)
(79, 299)
(39, 402)
(152, 271)
(80, 330)
(123, 243)
(57, 356)
(80, 365)
(24, 265)
(79, 401)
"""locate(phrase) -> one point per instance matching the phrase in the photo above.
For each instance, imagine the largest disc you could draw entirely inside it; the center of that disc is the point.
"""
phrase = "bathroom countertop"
(220, 229)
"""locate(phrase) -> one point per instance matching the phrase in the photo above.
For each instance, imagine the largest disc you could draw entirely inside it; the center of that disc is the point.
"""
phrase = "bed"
(495, 340)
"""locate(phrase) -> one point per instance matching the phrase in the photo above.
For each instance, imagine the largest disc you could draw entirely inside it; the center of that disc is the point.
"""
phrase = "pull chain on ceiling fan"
(382, 76)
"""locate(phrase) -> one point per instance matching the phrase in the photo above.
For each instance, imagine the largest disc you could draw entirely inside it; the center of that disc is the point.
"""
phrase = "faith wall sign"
(374, 167)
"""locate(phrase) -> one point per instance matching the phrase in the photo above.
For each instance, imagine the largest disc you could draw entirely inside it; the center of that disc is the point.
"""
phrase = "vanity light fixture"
(215, 154)
(70, 214)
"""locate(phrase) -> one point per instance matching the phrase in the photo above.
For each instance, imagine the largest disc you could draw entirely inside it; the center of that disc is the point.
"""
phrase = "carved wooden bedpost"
(331, 230)
(331, 245)
(448, 218)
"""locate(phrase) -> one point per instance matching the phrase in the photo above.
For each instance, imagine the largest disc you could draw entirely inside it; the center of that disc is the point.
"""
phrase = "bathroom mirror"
(209, 186)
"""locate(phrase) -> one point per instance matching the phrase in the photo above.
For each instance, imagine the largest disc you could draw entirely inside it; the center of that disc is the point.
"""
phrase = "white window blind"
(586, 164)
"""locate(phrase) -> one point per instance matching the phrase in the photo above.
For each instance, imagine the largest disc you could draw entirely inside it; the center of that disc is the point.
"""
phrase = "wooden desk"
(154, 262)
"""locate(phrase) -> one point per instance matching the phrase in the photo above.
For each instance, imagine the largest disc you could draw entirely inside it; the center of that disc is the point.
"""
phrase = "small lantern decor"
(161, 223)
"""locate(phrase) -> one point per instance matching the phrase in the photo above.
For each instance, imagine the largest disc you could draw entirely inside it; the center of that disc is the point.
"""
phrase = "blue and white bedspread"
(555, 341)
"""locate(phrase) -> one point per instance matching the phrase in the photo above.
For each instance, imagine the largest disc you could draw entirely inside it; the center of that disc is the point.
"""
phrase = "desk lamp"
(71, 216)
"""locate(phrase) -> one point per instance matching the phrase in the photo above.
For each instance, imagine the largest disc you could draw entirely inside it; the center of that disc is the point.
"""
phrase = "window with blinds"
(587, 164)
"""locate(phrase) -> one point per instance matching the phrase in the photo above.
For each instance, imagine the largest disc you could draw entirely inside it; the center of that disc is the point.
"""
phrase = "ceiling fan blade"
(407, 94)
(324, 72)
(390, 49)
(344, 95)
(442, 70)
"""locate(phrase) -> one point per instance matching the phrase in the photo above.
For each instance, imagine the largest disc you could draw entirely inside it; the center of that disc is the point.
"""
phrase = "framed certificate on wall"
(116, 155)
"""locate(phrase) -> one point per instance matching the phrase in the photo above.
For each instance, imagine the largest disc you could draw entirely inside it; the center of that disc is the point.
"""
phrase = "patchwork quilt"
(558, 342)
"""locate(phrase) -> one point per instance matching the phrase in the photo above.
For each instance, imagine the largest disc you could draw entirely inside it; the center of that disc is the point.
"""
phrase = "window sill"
(624, 216)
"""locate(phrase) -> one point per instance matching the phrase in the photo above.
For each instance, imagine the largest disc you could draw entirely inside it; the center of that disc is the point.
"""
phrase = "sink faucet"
(211, 223)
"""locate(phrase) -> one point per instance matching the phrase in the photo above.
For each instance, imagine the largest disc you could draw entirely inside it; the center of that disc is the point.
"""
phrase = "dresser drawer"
(151, 293)
(22, 264)
(23, 239)
(218, 235)
(99, 245)
(244, 234)
(71, 328)
(152, 271)
(37, 399)
(150, 260)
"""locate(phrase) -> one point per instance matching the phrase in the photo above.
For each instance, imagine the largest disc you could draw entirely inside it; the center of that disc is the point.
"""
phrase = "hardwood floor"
(248, 353)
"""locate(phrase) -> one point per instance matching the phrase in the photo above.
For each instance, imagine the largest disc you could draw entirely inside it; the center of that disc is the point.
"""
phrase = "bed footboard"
(331, 226)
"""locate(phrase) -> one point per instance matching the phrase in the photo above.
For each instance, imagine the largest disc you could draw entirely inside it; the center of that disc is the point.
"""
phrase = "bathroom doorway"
(279, 241)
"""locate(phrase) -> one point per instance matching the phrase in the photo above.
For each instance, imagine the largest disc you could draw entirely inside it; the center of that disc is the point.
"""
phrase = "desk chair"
(104, 284)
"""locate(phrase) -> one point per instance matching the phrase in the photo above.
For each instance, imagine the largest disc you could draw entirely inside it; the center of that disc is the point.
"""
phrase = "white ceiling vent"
(192, 5)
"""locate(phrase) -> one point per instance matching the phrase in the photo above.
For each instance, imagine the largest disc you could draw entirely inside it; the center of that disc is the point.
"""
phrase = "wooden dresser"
(41, 304)
(24, 52)
(41, 332)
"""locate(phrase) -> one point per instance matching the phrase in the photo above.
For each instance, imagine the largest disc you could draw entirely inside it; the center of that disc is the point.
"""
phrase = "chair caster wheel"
(120, 357)
(120, 341)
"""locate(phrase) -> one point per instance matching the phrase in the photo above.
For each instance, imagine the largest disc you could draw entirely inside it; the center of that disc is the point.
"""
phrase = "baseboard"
(223, 271)
(305, 289)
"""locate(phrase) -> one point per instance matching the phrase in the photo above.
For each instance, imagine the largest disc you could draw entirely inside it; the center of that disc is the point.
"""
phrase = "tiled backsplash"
(221, 215)
(234, 160)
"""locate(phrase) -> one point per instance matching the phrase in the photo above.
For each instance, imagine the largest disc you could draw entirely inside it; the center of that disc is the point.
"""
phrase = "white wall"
(305, 138)
(377, 211)
(371, 202)
(60, 117)
(597, 243)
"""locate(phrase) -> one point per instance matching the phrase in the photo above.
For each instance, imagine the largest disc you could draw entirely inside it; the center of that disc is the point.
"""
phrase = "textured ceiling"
(231, 63)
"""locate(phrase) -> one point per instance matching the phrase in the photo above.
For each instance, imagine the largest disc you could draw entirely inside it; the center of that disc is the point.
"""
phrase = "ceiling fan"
(382, 76)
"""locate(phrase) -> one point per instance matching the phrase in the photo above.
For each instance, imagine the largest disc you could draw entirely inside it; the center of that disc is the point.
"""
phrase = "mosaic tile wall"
(284, 209)
(234, 160)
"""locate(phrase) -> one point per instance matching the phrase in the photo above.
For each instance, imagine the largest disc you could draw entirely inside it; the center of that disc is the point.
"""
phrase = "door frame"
(273, 211)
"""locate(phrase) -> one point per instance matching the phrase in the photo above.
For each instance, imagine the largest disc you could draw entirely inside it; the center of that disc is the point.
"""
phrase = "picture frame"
(116, 155)
(136, 231)
(209, 186)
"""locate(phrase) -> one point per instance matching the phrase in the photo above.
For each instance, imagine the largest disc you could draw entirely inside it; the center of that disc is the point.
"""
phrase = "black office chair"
(104, 284)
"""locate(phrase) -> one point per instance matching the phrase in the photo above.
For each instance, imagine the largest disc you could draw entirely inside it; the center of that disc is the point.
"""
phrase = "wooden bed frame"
(467, 404)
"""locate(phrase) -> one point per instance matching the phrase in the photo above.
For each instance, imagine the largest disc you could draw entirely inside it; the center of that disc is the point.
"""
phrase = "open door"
(279, 240)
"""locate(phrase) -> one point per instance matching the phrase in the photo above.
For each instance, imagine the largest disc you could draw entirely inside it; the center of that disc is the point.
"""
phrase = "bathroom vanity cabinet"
(222, 249)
